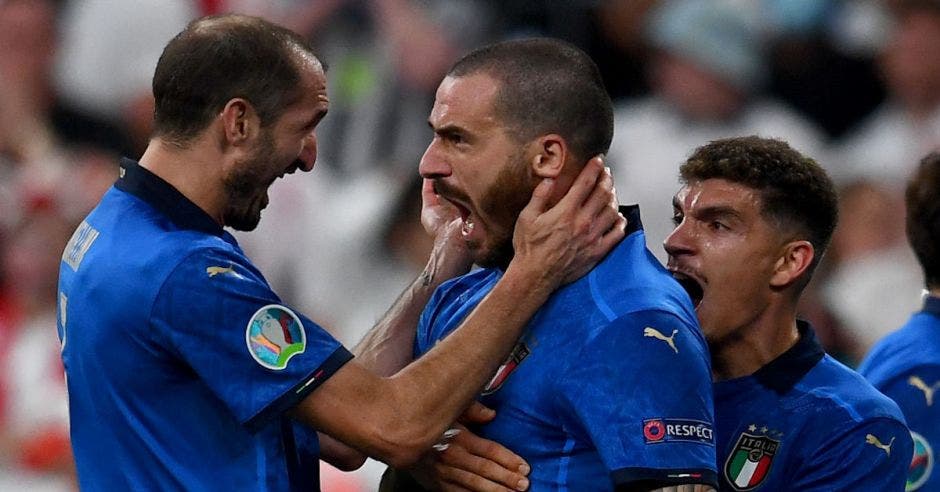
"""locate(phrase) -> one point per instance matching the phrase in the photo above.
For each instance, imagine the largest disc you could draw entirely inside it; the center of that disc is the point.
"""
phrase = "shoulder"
(450, 303)
(838, 394)
(134, 250)
(209, 273)
(657, 340)
(631, 280)
(914, 344)
(459, 289)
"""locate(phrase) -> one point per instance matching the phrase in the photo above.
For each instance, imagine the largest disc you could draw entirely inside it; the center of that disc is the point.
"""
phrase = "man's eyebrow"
(448, 128)
(719, 211)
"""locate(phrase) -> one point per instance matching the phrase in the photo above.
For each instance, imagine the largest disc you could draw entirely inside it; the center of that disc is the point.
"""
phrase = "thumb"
(477, 413)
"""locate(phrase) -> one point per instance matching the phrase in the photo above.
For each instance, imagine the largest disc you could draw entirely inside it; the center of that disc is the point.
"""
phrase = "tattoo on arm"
(426, 277)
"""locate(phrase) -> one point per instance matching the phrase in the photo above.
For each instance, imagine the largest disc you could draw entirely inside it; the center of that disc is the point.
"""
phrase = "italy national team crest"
(519, 353)
(749, 463)
(921, 464)
(274, 335)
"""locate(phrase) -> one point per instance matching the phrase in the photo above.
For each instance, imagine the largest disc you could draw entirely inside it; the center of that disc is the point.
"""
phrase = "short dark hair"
(546, 86)
(796, 193)
(922, 199)
(218, 58)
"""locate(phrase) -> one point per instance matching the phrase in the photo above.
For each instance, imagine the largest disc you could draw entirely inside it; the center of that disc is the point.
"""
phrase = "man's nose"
(433, 165)
(308, 154)
(678, 241)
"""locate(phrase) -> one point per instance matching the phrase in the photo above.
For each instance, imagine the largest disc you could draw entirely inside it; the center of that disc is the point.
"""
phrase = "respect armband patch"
(274, 335)
(671, 430)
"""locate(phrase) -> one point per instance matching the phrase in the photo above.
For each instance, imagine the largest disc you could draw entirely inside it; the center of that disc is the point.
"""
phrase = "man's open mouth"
(691, 286)
(465, 216)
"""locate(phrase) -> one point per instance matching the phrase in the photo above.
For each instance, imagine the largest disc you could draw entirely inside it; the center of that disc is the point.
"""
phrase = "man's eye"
(677, 219)
(716, 225)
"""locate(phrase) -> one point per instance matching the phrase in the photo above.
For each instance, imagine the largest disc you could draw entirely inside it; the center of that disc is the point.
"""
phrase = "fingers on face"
(583, 185)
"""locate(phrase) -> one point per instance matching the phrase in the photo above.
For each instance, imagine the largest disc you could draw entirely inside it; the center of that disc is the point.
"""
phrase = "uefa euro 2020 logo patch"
(921, 465)
(274, 335)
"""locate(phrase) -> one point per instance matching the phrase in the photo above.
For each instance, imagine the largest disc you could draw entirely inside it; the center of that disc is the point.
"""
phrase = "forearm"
(396, 419)
(436, 388)
(388, 346)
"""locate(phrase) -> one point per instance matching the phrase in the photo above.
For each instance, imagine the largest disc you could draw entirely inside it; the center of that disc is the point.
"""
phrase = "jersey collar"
(932, 305)
(166, 199)
(632, 214)
(782, 373)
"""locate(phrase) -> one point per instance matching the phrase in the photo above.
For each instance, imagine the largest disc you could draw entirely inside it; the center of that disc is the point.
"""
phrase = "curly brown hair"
(796, 193)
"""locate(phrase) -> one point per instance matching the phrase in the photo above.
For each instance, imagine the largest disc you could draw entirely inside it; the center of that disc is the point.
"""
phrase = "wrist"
(535, 280)
(449, 258)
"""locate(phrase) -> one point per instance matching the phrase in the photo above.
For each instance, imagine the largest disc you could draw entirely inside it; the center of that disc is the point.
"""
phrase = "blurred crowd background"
(853, 83)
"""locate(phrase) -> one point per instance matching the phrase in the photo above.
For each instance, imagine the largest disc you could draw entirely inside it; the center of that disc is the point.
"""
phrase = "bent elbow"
(404, 457)
(349, 462)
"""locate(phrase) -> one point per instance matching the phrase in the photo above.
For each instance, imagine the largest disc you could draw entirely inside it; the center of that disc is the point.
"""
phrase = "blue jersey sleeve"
(640, 390)
(869, 455)
(449, 305)
(425, 338)
(917, 393)
(259, 356)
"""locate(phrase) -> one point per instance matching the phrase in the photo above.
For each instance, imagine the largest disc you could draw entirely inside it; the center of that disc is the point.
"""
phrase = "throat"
(745, 354)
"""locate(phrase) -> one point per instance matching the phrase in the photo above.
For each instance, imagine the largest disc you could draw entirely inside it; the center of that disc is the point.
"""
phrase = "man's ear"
(549, 153)
(792, 264)
(240, 122)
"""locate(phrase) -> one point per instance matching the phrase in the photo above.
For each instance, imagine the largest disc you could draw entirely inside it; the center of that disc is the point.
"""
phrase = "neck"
(194, 171)
(763, 340)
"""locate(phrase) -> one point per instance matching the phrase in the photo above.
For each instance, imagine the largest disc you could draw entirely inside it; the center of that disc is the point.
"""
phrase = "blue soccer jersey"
(610, 383)
(905, 365)
(179, 358)
(805, 422)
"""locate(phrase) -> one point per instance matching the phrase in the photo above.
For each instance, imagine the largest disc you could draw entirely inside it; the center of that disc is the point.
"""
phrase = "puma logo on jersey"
(919, 383)
(653, 332)
(874, 441)
(217, 270)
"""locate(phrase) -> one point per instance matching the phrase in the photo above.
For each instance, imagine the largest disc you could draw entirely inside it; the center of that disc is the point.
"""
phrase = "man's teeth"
(467, 226)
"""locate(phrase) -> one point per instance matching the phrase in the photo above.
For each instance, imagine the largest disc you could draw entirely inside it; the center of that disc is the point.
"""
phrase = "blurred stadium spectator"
(887, 145)
(706, 74)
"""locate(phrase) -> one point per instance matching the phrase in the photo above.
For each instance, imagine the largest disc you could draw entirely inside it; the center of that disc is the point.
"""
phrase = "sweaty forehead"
(313, 82)
(465, 98)
(717, 192)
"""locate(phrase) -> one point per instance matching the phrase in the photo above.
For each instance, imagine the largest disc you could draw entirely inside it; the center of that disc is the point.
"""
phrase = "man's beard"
(502, 203)
(246, 188)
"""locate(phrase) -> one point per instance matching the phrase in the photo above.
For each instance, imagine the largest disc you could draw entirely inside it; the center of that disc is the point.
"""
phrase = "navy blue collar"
(932, 305)
(632, 214)
(166, 199)
(782, 373)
